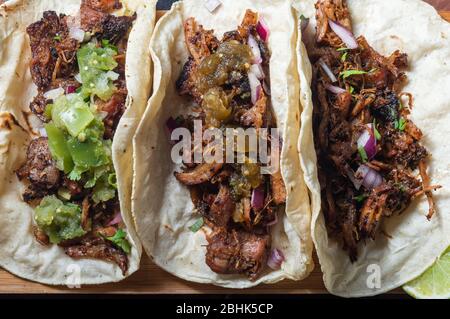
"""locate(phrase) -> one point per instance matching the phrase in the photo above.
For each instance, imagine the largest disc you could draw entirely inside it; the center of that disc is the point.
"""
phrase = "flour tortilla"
(20, 253)
(415, 28)
(161, 205)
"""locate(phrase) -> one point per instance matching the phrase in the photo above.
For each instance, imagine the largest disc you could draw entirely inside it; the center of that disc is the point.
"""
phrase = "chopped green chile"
(96, 65)
(57, 142)
(60, 221)
(197, 225)
(72, 113)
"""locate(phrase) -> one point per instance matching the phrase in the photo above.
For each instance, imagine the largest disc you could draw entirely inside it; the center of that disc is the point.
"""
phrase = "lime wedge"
(434, 283)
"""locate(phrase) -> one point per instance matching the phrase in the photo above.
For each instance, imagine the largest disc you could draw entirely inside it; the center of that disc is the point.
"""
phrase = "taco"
(381, 183)
(75, 82)
(224, 222)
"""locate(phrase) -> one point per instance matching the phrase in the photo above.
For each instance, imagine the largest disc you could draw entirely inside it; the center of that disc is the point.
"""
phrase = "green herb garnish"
(197, 225)
(360, 198)
(344, 56)
(342, 49)
(348, 73)
(57, 37)
(375, 130)
(363, 154)
(402, 124)
(351, 89)
(120, 240)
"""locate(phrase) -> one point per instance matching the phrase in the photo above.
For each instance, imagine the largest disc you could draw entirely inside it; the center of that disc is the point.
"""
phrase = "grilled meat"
(53, 51)
(201, 174)
(98, 248)
(237, 252)
(372, 97)
(216, 76)
(40, 170)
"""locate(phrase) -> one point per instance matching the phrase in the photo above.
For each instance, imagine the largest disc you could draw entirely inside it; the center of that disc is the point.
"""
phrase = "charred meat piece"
(98, 248)
(222, 208)
(116, 28)
(200, 43)
(37, 106)
(186, 82)
(199, 175)
(335, 10)
(53, 51)
(237, 252)
(255, 116)
(40, 170)
(95, 18)
(248, 24)
(114, 108)
(103, 5)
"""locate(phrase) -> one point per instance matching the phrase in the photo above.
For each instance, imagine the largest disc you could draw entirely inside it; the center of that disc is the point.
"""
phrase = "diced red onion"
(258, 71)
(263, 29)
(346, 36)
(356, 182)
(116, 220)
(304, 23)
(275, 260)
(328, 71)
(274, 222)
(266, 88)
(370, 177)
(258, 198)
(71, 89)
(42, 132)
(77, 34)
(212, 5)
(78, 78)
(255, 50)
(54, 94)
(334, 89)
(255, 87)
(368, 141)
(103, 115)
(171, 125)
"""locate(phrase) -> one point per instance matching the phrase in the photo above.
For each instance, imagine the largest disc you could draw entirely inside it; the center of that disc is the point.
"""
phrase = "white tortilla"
(415, 28)
(20, 253)
(161, 205)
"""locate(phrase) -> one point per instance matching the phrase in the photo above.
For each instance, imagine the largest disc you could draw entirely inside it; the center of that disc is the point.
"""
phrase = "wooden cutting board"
(152, 280)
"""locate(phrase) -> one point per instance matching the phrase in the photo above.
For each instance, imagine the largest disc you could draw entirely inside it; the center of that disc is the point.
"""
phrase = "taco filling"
(368, 148)
(78, 66)
(228, 81)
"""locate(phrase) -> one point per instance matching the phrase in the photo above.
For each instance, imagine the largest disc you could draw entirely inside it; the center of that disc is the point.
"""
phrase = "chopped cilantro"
(348, 73)
(197, 225)
(360, 198)
(57, 37)
(375, 130)
(363, 154)
(344, 56)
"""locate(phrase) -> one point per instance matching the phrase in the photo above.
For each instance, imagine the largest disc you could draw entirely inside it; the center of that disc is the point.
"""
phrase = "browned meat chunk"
(40, 170)
(116, 28)
(255, 116)
(37, 106)
(223, 207)
(115, 108)
(335, 10)
(248, 24)
(237, 252)
(200, 43)
(201, 174)
(53, 51)
(98, 248)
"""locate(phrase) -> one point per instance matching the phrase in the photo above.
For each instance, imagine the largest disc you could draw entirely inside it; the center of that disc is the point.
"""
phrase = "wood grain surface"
(152, 280)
